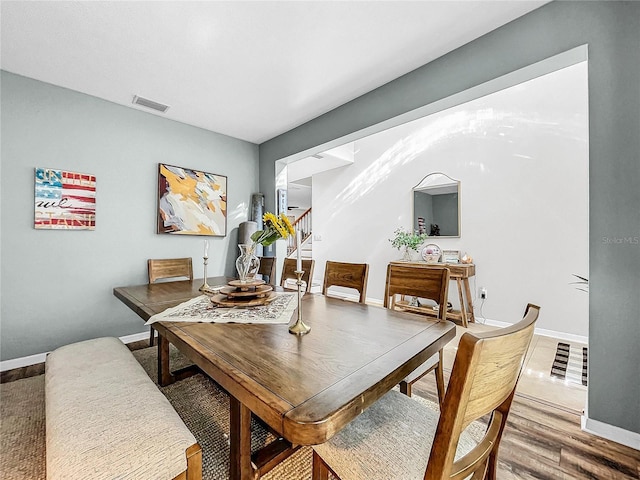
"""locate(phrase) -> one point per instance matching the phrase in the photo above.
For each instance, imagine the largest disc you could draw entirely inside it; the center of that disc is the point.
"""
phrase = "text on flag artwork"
(64, 200)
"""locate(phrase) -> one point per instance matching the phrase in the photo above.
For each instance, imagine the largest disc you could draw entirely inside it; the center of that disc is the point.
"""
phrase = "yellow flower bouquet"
(274, 228)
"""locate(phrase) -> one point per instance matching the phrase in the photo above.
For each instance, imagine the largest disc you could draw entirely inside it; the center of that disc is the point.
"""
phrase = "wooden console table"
(460, 272)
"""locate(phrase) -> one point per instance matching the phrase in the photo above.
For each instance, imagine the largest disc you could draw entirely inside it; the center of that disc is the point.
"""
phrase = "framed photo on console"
(451, 256)
(431, 253)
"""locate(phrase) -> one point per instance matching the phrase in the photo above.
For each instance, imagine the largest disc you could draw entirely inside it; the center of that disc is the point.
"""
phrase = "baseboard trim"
(136, 337)
(41, 357)
(351, 296)
(22, 361)
(610, 432)
(569, 337)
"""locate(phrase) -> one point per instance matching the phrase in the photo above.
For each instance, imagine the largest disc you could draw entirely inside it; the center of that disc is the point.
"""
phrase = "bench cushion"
(106, 419)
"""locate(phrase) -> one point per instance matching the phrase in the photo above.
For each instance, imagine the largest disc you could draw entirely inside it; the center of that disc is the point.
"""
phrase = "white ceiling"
(251, 70)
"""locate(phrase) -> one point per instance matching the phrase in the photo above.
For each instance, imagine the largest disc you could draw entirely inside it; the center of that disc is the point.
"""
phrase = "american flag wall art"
(64, 200)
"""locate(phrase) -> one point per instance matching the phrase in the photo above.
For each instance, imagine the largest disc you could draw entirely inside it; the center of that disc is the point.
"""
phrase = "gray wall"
(445, 213)
(422, 207)
(612, 32)
(56, 286)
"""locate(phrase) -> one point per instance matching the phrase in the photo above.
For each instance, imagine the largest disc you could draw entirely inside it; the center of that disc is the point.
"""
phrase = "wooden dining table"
(304, 388)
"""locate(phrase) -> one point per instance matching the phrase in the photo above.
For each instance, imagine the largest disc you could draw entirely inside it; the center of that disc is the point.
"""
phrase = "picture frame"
(64, 200)
(431, 253)
(191, 202)
(451, 256)
(282, 201)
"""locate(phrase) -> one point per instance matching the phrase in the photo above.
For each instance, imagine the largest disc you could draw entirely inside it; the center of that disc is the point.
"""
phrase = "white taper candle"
(299, 259)
(206, 248)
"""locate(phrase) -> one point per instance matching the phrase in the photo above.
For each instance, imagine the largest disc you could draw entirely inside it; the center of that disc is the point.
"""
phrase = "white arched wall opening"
(498, 239)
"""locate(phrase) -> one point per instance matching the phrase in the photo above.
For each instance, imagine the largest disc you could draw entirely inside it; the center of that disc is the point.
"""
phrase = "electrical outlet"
(482, 293)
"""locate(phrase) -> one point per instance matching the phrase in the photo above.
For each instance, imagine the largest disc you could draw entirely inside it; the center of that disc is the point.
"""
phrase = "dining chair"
(398, 437)
(162, 268)
(427, 283)
(268, 268)
(349, 275)
(288, 269)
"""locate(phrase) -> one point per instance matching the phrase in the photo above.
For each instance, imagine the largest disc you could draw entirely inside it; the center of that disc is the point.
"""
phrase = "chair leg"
(152, 337)
(439, 371)
(492, 466)
(405, 388)
(320, 471)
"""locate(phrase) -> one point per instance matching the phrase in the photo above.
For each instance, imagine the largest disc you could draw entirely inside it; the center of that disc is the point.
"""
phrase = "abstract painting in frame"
(191, 202)
(64, 200)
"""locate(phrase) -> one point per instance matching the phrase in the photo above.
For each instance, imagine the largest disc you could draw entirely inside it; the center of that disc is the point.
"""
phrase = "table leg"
(467, 292)
(240, 467)
(463, 308)
(164, 373)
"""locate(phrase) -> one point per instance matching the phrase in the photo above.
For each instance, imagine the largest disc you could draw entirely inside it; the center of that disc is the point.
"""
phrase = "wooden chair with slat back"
(268, 268)
(289, 267)
(162, 268)
(483, 382)
(349, 275)
(428, 283)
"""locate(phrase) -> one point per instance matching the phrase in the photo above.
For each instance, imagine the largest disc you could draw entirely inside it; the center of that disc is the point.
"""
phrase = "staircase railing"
(302, 223)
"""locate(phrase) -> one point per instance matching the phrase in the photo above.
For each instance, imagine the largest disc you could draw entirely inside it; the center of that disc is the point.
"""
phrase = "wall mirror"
(436, 206)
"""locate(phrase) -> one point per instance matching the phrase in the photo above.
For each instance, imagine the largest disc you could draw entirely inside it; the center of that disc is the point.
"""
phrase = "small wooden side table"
(460, 272)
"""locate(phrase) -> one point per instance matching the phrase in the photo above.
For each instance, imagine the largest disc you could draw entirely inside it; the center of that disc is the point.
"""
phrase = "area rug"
(570, 363)
(201, 403)
(22, 440)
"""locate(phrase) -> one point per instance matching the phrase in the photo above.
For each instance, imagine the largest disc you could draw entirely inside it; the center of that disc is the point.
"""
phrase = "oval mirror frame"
(436, 206)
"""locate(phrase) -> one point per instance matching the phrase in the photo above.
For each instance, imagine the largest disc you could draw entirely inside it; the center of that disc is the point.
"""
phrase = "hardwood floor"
(542, 441)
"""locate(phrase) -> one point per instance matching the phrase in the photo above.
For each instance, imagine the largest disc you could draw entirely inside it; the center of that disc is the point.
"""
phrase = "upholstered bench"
(106, 419)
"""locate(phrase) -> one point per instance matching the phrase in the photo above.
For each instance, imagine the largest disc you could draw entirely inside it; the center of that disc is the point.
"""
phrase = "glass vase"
(406, 255)
(247, 263)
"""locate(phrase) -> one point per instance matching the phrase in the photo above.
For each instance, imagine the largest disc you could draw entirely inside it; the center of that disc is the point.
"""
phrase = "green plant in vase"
(406, 241)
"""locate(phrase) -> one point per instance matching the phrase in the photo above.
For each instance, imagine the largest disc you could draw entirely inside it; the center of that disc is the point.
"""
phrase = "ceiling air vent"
(145, 102)
(318, 156)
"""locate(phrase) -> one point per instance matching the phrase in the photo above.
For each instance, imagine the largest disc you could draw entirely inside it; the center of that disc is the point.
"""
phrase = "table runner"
(201, 309)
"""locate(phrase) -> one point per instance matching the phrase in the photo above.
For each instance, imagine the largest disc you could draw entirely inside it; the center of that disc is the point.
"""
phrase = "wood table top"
(304, 387)
(148, 299)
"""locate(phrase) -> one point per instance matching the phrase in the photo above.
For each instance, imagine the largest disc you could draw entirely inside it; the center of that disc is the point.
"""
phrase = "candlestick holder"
(205, 287)
(299, 328)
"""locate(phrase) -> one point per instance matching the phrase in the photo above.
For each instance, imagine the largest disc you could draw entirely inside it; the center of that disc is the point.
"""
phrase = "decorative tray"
(250, 293)
(246, 285)
(225, 301)
(257, 291)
